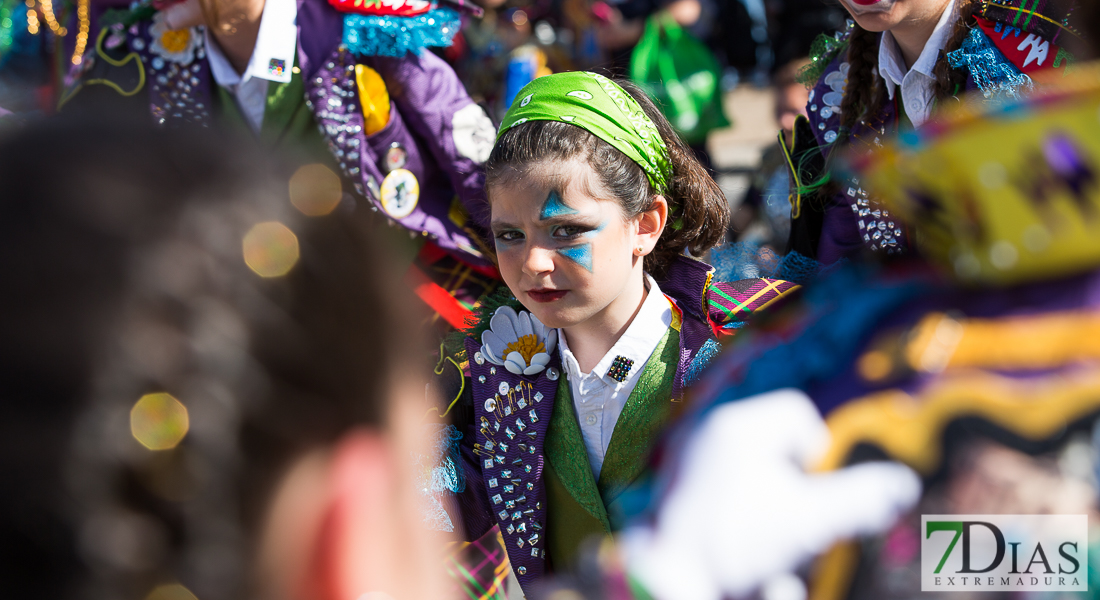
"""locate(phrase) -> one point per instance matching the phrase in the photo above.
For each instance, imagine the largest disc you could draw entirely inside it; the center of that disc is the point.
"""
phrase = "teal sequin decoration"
(701, 361)
(749, 260)
(371, 35)
(995, 75)
(441, 473)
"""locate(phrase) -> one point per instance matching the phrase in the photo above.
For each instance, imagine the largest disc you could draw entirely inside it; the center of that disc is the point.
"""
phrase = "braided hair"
(865, 94)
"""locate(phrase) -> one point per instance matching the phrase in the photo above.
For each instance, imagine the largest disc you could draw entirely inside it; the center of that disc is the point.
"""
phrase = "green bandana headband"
(599, 106)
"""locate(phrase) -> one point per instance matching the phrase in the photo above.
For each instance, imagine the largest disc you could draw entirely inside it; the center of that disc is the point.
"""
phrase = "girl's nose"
(538, 260)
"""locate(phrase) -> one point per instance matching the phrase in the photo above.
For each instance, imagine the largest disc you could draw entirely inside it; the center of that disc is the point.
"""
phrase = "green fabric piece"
(566, 453)
(599, 106)
(228, 111)
(824, 49)
(643, 418)
(288, 123)
(682, 75)
(577, 506)
(568, 524)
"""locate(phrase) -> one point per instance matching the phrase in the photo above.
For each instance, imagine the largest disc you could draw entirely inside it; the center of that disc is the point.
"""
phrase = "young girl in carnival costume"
(593, 202)
(895, 65)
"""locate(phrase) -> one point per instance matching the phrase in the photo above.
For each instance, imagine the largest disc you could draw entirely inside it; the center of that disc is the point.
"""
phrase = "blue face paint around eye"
(554, 207)
(580, 254)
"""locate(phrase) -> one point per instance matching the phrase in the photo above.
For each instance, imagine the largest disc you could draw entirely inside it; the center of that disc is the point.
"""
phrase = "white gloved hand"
(744, 512)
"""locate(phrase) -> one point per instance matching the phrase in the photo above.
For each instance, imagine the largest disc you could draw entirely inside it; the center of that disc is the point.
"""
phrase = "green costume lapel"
(228, 111)
(577, 507)
(287, 119)
(568, 458)
(286, 116)
(644, 415)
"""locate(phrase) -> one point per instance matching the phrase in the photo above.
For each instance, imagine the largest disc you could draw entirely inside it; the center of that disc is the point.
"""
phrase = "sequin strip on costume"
(178, 74)
(333, 98)
(513, 412)
(877, 227)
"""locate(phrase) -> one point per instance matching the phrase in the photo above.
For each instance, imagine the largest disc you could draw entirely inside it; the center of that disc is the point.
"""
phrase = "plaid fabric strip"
(737, 300)
(480, 567)
(451, 288)
(1046, 18)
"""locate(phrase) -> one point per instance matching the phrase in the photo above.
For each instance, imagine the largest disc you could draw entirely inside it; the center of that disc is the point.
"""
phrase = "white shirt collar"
(636, 344)
(272, 57)
(891, 64)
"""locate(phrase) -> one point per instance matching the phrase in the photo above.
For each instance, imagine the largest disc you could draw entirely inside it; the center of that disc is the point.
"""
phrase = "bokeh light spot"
(171, 591)
(315, 190)
(270, 249)
(875, 365)
(159, 421)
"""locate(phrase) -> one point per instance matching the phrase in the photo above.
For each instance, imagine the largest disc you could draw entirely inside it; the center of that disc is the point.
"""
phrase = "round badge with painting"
(400, 193)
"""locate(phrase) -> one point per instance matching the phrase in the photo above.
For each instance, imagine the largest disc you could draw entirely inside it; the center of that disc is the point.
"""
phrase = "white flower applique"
(518, 342)
(174, 45)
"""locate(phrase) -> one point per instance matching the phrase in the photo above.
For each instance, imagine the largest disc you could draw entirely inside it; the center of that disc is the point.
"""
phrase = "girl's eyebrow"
(502, 225)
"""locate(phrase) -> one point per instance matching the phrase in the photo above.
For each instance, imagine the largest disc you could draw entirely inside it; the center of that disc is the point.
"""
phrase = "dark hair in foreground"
(121, 256)
(698, 210)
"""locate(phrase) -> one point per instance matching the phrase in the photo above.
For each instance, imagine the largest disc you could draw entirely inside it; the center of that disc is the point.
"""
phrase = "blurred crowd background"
(738, 59)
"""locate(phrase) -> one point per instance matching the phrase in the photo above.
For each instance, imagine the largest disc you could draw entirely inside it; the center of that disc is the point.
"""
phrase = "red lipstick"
(544, 295)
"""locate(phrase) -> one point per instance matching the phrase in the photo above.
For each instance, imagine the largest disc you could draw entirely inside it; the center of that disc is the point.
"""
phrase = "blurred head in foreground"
(206, 393)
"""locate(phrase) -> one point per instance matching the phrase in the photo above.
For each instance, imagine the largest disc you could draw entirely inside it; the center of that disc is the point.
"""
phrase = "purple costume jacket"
(505, 486)
(445, 135)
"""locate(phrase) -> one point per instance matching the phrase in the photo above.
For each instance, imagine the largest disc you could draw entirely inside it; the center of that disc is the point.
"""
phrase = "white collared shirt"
(918, 83)
(599, 399)
(272, 60)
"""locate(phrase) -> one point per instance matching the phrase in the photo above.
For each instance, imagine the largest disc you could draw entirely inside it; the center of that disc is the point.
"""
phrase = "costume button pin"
(400, 193)
(503, 388)
(396, 157)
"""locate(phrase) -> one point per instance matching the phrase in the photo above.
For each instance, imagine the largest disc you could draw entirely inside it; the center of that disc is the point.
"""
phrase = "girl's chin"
(551, 318)
(552, 314)
(863, 8)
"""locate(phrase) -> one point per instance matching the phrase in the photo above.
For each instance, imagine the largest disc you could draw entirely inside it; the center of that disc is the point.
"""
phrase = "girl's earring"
(640, 250)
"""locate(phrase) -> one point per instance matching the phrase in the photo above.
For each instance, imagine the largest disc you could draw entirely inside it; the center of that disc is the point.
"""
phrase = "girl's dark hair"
(865, 94)
(698, 210)
(127, 277)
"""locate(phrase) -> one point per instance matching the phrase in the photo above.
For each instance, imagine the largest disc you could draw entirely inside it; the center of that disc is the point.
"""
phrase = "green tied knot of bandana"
(599, 106)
